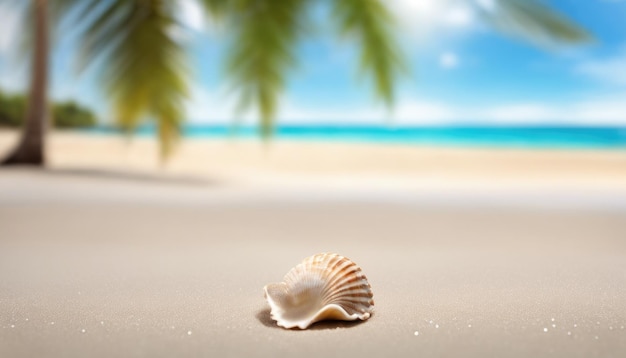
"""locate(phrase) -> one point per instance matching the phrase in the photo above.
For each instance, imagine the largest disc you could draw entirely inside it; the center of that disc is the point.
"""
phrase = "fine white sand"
(475, 253)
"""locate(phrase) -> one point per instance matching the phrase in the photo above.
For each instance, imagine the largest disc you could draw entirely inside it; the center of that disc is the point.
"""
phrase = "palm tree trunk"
(31, 147)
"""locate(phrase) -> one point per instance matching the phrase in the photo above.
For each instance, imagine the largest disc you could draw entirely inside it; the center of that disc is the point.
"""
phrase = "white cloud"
(459, 15)
(407, 111)
(190, 21)
(590, 111)
(420, 8)
(602, 111)
(610, 70)
(423, 111)
(218, 109)
(422, 17)
(593, 111)
(448, 60)
(520, 113)
(192, 14)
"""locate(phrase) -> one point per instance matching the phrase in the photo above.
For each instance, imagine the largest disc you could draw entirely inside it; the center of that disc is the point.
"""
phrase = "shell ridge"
(359, 280)
(331, 293)
(341, 274)
(347, 284)
(352, 293)
(346, 268)
(350, 296)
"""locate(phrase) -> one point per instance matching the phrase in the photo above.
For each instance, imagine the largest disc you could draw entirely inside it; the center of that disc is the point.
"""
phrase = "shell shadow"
(264, 317)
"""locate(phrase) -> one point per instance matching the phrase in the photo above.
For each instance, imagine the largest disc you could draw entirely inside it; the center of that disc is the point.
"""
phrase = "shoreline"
(453, 136)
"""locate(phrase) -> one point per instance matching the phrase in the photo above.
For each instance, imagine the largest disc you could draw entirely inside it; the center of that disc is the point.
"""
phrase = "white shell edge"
(330, 311)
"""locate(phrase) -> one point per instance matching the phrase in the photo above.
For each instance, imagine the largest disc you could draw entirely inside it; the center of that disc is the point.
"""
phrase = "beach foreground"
(125, 262)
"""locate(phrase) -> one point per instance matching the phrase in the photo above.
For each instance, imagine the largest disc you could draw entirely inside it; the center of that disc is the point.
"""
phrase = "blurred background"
(499, 76)
(163, 160)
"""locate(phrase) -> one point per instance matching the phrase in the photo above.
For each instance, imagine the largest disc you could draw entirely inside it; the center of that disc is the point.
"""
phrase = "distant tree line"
(65, 114)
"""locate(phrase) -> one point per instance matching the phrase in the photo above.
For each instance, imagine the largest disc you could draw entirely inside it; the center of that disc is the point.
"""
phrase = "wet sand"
(105, 263)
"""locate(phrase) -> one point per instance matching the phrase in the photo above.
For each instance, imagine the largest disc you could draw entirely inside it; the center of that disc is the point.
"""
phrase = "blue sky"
(461, 71)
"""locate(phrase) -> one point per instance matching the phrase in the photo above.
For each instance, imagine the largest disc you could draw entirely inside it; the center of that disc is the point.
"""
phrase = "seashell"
(323, 286)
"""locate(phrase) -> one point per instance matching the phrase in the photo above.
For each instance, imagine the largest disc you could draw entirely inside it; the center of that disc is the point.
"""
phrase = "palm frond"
(262, 52)
(142, 64)
(535, 21)
(60, 8)
(370, 23)
(217, 8)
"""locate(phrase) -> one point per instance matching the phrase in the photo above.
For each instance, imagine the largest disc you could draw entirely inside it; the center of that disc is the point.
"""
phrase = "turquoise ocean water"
(476, 136)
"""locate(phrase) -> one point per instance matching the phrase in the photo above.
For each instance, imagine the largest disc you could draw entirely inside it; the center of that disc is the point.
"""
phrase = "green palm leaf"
(217, 8)
(535, 21)
(142, 63)
(371, 24)
(265, 34)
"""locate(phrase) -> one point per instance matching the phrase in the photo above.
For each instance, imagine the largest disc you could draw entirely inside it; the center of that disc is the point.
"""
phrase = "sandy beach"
(471, 253)
(252, 163)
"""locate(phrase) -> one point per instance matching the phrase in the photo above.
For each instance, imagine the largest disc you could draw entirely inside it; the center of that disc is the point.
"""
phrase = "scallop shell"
(323, 286)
